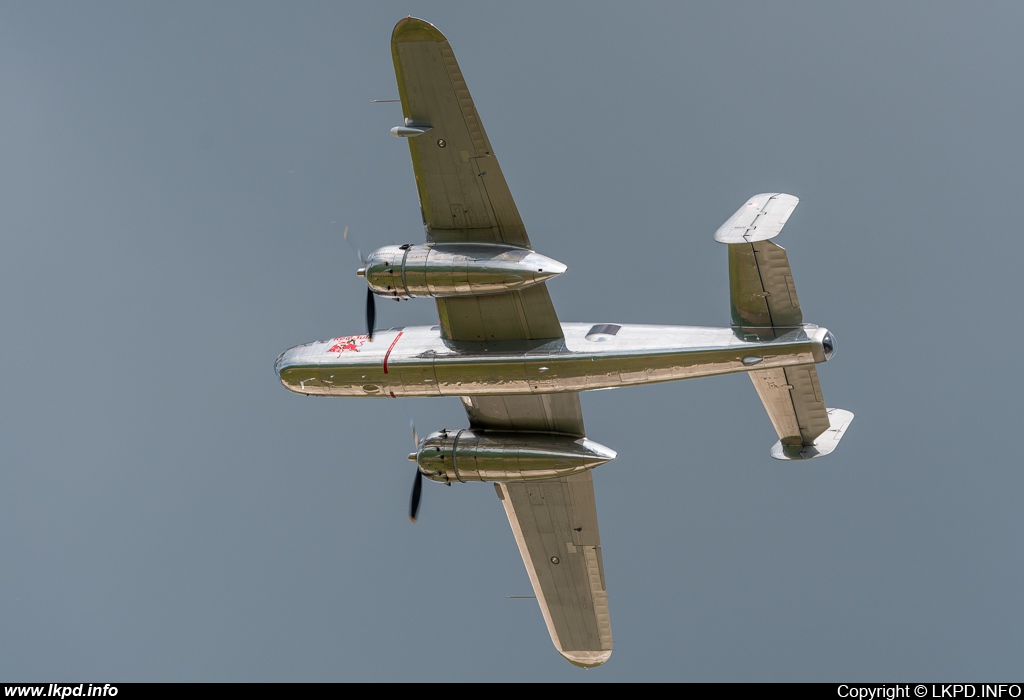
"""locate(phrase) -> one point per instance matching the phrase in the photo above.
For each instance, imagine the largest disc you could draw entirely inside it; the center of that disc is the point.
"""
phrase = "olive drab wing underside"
(463, 194)
(555, 526)
(464, 199)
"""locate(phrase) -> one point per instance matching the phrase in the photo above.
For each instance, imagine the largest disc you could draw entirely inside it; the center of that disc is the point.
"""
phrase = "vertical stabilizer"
(765, 306)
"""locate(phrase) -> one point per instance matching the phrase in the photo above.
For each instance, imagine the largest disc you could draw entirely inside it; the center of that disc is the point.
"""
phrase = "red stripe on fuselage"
(388, 353)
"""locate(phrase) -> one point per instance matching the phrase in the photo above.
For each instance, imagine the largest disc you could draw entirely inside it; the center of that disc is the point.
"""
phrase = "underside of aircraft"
(500, 347)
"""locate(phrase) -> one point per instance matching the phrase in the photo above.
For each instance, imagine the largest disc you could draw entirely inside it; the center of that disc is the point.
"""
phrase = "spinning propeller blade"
(371, 313)
(417, 486)
(371, 306)
(353, 246)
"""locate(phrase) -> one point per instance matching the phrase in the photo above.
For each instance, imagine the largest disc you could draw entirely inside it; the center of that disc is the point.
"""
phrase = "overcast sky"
(174, 181)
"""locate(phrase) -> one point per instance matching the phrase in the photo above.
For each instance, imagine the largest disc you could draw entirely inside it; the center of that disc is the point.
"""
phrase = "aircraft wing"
(464, 198)
(555, 525)
(529, 413)
(463, 194)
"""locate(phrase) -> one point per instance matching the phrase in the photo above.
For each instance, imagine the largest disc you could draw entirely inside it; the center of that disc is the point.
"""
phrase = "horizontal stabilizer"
(761, 218)
(792, 398)
(839, 420)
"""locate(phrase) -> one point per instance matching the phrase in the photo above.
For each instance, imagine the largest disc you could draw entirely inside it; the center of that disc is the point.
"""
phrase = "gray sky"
(174, 180)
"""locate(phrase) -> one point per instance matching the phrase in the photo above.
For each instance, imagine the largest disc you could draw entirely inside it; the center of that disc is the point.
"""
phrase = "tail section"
(839, 421)
(763, 295)
(792, 398)
(764, 307)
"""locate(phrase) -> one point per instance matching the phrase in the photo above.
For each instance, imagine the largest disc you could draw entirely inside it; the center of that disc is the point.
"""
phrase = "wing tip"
(737, 228)
(414, 29)
(839, 420)
(586, 659)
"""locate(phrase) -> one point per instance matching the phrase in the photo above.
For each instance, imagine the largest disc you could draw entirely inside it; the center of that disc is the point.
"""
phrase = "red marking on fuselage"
(351, 342)
(388, 353)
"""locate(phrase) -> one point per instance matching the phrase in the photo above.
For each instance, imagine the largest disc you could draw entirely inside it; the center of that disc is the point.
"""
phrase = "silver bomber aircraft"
(501, 349)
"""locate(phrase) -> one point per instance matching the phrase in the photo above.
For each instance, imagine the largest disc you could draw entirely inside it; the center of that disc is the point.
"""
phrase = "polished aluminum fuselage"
(416, 361)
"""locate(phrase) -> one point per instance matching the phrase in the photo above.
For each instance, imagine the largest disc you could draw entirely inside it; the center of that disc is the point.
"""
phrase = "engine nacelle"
(468, 455)
(455, 269)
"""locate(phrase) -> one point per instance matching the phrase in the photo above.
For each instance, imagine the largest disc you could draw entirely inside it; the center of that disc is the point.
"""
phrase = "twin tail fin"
(765, 306)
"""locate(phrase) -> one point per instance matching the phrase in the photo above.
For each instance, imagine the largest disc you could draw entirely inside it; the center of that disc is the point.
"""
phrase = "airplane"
(500, 347)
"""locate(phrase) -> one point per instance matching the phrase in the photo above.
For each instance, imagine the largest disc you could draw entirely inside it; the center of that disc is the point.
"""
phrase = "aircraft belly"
(302, 380)
(468, 376)
(413, 380)
(558, 373)
(465, 376)
(417, 363)
(354, 381)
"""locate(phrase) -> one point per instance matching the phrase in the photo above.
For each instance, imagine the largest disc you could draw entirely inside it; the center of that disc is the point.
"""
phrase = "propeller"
(417, 485)
(371, 312)
(371, 303)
